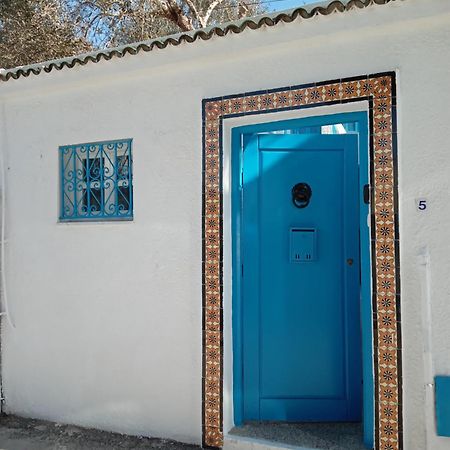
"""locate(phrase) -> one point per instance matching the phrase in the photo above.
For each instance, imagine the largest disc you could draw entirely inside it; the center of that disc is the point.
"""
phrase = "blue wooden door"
(301, 278)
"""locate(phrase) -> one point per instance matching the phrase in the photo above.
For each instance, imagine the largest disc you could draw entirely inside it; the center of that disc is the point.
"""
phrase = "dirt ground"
(26, 434)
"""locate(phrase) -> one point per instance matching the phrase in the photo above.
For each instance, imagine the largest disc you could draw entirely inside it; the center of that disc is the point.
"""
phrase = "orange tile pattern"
(379, 91)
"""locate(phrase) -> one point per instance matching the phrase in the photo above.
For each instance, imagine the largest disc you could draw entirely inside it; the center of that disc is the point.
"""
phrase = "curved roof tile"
(204, 34)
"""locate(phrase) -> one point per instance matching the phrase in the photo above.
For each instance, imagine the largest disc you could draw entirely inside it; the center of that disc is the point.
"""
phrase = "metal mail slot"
(302, 244)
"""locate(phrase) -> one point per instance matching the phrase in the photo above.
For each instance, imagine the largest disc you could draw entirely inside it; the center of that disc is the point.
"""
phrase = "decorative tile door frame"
(379, 90)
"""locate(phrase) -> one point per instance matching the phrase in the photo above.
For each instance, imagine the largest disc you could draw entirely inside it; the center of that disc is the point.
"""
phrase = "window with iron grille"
(96, 181)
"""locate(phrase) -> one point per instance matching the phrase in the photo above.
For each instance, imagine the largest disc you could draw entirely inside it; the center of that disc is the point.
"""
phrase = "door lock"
(350, 261)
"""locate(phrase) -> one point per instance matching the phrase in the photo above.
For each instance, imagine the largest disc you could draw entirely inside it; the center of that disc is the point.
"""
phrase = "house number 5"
(422, 204)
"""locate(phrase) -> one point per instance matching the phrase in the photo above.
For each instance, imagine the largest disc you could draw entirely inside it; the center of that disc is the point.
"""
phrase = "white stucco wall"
(123, 352)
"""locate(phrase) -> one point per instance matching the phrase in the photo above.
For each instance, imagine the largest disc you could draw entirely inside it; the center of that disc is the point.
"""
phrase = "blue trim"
(442, 386)
(366, 288)
(80, 178)
(361, 118)
(236, 225)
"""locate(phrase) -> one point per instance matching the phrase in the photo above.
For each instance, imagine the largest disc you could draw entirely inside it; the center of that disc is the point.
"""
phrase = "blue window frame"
(96, 181)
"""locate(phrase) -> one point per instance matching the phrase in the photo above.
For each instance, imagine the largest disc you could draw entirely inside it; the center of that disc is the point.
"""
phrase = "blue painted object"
(301, 337)
(302, 244)
(442, 384)
(96, 181)
(287, 334)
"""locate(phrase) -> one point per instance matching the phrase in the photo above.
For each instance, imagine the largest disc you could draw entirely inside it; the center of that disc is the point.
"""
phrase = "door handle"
(350, 261)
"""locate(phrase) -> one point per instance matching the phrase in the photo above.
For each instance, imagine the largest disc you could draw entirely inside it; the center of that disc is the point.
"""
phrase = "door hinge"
(366, 194)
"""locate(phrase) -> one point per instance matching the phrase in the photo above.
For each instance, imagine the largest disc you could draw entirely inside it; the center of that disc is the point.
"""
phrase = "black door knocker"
(301, 195)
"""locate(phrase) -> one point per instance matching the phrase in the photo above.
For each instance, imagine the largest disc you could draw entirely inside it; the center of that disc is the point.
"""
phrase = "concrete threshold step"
(300, 436)
(232, 442)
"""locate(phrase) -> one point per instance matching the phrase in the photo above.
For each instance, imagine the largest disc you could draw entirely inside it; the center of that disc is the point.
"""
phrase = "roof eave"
(252, 23)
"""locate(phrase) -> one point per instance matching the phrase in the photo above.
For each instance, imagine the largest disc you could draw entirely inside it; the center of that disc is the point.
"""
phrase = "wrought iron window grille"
(96, 181)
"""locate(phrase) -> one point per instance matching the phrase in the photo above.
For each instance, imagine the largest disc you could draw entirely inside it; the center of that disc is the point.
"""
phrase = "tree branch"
(170, 10)
(195, 12)
(210, 10)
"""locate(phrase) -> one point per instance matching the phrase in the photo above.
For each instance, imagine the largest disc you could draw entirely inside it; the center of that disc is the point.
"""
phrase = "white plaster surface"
(108, 316)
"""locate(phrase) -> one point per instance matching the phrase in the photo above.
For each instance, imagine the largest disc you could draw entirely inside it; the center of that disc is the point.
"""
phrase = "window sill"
(100, 222)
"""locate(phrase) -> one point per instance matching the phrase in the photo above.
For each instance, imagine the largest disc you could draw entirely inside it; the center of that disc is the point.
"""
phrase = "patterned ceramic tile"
(386, 303)
(379, 90)
(298, 97)
(382, 125)
(315, 94)
(350, 90)
(382, 107)
(388, 413)
(332, 92)
(282, 100)
(253, 103)
(387, 338)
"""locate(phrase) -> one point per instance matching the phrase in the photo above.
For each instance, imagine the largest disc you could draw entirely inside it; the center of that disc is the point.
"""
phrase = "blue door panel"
(301, 328)
(311, 410)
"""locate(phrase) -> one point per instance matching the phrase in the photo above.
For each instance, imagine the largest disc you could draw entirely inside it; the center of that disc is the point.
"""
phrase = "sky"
(279, 5)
